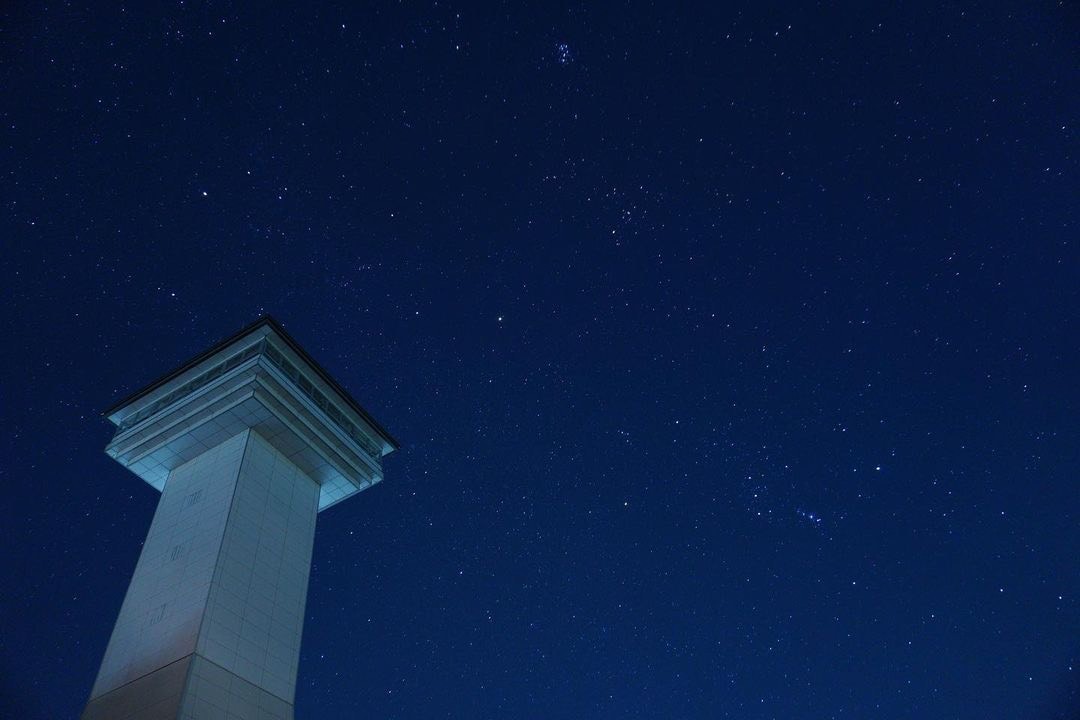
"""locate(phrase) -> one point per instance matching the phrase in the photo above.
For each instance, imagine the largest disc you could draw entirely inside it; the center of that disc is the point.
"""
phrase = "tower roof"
(263, 321)
(259, 378)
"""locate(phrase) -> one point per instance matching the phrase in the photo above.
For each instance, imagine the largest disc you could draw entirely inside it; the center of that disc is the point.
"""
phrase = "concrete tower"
(247, 443)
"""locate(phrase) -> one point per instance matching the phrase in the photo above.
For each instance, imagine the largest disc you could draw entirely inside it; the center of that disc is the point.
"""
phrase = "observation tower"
(247, 443)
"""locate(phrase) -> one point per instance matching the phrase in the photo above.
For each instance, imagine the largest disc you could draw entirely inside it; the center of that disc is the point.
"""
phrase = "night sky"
(733, 350)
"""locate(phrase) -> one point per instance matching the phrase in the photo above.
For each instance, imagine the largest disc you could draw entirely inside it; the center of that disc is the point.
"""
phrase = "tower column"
(212, 619)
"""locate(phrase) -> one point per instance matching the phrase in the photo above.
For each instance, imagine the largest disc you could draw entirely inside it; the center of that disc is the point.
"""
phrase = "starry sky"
(732, 347)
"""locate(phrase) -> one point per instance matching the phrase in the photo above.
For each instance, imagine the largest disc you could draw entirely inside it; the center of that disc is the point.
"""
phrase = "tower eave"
(258, 379)
(263, 327)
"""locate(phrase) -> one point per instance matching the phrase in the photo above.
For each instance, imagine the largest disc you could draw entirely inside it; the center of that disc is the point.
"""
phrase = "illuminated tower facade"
(247, 443)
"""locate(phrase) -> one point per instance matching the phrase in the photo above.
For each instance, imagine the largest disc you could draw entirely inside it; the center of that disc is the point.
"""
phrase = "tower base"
(192, 688)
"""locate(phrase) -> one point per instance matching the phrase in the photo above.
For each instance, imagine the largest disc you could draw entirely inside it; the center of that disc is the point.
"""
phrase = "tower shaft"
(211, 623)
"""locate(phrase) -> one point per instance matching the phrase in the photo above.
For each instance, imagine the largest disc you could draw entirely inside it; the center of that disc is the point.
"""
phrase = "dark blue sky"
(733, 350)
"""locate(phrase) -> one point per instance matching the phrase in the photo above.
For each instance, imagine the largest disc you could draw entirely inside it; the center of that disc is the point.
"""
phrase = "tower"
(247, 443)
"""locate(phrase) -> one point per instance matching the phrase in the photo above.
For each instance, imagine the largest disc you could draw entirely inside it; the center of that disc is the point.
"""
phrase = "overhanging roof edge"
(265, 320)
